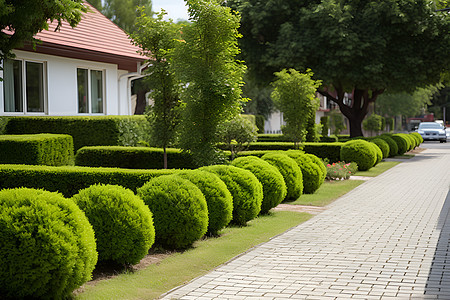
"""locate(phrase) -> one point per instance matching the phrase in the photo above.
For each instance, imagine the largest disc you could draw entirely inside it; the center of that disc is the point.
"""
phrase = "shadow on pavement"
(438, 282)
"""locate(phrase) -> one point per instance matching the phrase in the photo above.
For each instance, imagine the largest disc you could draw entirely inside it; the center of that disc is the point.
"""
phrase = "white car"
(432, 131)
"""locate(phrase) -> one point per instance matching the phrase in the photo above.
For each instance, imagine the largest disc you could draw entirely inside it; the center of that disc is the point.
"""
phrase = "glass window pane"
(34, 86)
(96, 91)
(82, 83)
(12, 85)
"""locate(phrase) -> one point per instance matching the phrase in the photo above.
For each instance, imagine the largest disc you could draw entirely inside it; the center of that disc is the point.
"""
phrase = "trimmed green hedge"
(132, 157)
(313, 176)
(383, 145)
(272, 138)
(37, 149)
(179, 210)
(245, 188)
(330, 151)
(257, 153)
(402, 143)
(418, 137)
(69, 180)
(274, 187)
(123, 224)
(85, 130)
(271, 146)
(361, 152)
(393, 147)
(47, 245)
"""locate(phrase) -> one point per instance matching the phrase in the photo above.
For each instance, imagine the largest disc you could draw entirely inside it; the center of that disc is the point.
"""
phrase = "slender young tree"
(294, 94)
(157, 39)
(205, 62)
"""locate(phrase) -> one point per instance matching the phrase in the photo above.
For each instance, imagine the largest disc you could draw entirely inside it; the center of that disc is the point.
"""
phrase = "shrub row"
(132, 157)
(328, 151)
(85, 130)
(39, 149)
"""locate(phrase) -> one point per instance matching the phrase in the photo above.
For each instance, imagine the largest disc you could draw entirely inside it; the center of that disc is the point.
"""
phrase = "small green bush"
(37, 149)
(361, 152)
(123, 224)
(69, 180)
(218, 198)
(418, 137)
(378, 152)
(402, 143)
(313, 176)
(132, 157)
(274, 188)
(85, 130)
(393, 147)
(329, 151)
(415, 138)
(257, 153)
(180, 213)
(383, 145)
(318, 163)
(273, 138)
(411, 141)
(47, 245)
(291, 172)
(245, 188)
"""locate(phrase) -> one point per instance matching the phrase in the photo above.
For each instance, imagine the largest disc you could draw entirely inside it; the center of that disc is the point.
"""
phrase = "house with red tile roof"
(86, 70)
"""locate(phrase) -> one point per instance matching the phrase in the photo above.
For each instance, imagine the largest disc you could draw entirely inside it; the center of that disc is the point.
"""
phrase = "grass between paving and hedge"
(181, 267)
(378, 169)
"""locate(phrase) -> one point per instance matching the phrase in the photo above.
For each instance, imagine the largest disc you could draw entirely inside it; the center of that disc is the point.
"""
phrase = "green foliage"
(294, 95)
(270, 137)
(325, 121)
(25, 19)
(245, 188)
(329, 151)
(48, 246)
(237, 134)
(274, 187)
(218, 198)
(313, 176)
(180, 213)
(318, 163)
(273, 146)
(418, 137)
(86, 131)
(69, 180)
(313, 130)
(373, 122)
(361, 152)
(378, 152)
(329, 139)
(383, 145)
(257, 153)
(393, 147)
(204, 60)
(126, 237)
(3, 122)
(39, 149)
(402, 143)
(337, 122)
(157, 38)
(250, 118)
(259, 122)
(132, 157)
(291, 172)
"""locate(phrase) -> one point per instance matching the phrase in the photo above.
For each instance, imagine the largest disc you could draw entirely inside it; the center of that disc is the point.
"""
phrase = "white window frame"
(89, 69)
(24, 89)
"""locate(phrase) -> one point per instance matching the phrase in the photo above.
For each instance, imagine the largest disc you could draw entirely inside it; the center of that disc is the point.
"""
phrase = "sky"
(176, 9)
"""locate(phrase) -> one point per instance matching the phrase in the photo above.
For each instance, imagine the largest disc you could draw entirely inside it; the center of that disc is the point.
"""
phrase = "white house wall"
(61, 74)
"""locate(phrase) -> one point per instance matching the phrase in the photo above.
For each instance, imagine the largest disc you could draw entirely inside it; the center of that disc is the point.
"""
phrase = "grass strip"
(327, 193)
(205, 255)
(378, 169)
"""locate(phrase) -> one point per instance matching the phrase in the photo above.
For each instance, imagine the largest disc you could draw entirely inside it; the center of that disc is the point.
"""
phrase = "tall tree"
(21, 20)
(359, 47)
(205, 62)
(157, 39)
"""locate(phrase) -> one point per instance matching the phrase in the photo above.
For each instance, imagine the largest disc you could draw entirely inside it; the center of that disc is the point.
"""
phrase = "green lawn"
(378, 169)
(327, 193)
(179, 268)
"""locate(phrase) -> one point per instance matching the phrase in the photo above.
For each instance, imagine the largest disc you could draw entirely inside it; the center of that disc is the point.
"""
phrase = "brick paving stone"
(388, 238)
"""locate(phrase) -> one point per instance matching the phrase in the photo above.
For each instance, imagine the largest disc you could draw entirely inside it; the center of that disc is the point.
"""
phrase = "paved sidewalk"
(388, 238)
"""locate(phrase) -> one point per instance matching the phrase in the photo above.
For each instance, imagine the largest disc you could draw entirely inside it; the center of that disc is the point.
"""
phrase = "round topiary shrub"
(245, 188)
(318, 163)
(180, 213)
(274, 188)
(418, 137)
(402, 143)
(312, 174)
(377, 152)
(359, 151)
(218, 198)
(47, 245)
(393, 148)
(291, 172)
(383, 145)
(123, 224)
(411, 141)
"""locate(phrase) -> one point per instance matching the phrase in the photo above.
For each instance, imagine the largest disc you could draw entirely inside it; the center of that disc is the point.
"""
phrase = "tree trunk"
(140, 102)
(355, 126)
